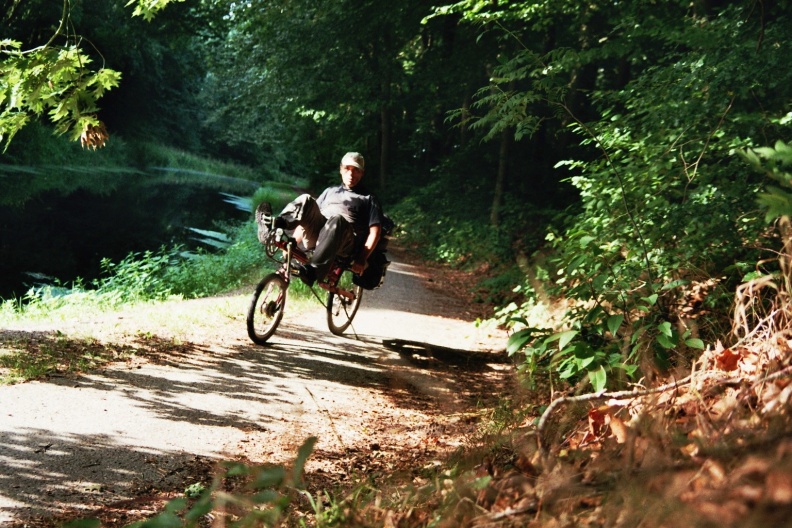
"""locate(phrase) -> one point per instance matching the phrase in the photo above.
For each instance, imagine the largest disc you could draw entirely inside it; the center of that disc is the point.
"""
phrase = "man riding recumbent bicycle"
(336, 241)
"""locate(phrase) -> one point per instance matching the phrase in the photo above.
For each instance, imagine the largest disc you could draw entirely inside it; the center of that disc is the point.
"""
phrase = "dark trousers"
(328, 237)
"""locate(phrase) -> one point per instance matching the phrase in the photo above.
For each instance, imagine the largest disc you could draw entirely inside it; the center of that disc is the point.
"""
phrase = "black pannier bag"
(374, 274)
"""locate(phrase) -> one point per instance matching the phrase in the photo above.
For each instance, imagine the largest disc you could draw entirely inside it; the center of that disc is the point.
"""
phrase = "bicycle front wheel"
(266, 308)
(340, 309)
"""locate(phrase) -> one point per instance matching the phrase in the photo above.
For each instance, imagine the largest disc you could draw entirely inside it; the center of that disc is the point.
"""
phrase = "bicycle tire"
(341, 311)
(266, 308)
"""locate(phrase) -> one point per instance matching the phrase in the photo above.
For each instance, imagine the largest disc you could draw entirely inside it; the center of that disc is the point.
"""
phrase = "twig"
(775, 375)
(508, 512)
(329, 417)
(601, 395)
(634, 394)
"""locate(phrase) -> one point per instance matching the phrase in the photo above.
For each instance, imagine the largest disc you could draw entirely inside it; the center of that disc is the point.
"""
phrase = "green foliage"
(451, 226)
(665, 206)
(205, 273)
(150, 276)
(138, 277)
(60, 59)
(50, 80)
(777, 201)
(83, 523)
(148, 9)
(182, 166)
(195, 490)
(263, 501)
(639, 108)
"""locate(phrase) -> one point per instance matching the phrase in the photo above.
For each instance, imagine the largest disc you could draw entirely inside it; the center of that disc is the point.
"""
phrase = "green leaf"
(665, 341)
(565, 337)
(614, 322)
(236, 469)
(519, 339)
(302, 457)
(674, 284)
(584, 362)
(695, 343)
(481, 483)
(599, 281)
(83, 523)
(652, 299)
(201, 508)
(598, 378)
(269, 477)
(752, 275)
(176, 505)
(163, 520)
(665, 329)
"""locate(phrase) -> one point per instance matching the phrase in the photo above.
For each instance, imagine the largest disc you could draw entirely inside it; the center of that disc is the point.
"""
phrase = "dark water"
(61, 224)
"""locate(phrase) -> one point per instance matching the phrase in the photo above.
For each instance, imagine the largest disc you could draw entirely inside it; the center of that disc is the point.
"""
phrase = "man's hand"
(359, 266)
(371, 242)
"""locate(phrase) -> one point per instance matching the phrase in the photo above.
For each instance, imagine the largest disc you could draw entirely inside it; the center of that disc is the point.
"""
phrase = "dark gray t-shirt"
(358, 206)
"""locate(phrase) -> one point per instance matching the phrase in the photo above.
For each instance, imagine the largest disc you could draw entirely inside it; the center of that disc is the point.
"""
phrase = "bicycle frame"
(269, 300)
(290, 250)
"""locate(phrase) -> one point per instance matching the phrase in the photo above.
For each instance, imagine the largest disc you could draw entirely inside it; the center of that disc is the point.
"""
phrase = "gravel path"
(402, 371)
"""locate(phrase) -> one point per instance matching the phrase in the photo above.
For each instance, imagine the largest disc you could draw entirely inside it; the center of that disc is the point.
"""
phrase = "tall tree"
(659, 97)
(329, 70)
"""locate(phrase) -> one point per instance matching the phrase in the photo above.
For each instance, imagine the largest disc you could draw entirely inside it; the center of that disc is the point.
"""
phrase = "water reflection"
(61, 221)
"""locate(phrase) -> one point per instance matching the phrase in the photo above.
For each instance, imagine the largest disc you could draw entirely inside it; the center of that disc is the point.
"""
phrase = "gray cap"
(354, 159)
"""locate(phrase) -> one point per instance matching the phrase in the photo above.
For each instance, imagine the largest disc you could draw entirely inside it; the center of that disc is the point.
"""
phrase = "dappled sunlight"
(45, 470)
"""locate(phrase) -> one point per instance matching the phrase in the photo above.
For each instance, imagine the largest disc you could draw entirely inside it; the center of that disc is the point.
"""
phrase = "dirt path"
(398, 385)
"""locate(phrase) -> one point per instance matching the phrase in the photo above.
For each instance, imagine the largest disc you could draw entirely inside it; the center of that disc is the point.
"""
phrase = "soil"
(397, 393)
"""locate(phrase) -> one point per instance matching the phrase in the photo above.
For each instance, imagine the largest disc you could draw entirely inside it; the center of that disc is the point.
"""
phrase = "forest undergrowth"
(708, 445)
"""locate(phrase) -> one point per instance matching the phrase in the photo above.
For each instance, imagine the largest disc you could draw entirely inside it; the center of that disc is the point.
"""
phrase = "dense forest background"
(626, 157)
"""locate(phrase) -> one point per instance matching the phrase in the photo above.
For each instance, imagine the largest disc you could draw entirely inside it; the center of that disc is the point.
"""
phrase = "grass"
(93, 335)
(35, 357)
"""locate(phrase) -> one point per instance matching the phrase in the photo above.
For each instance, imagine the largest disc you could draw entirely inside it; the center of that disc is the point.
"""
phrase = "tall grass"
(166, 274)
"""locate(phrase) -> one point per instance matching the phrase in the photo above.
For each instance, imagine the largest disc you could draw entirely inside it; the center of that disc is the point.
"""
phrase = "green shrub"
(203, 273)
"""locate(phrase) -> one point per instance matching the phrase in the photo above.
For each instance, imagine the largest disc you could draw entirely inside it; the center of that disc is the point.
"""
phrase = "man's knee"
(303, 211)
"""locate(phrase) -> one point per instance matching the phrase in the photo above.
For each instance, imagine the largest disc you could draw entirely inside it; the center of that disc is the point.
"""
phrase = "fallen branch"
(511, 512)
(770, 377)
(602, 395)
(634, 394)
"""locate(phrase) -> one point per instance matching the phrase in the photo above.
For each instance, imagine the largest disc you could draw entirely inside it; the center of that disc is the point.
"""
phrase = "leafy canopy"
(55, 79)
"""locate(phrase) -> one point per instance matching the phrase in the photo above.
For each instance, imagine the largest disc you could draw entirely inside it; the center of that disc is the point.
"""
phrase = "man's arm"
(368, 246)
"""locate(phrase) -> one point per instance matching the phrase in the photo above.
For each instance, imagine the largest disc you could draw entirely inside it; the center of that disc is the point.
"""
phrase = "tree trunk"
(385, 140)
(497, 198)
(385, 128)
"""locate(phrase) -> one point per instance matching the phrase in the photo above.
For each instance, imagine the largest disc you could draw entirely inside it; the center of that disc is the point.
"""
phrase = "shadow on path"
(108, 435)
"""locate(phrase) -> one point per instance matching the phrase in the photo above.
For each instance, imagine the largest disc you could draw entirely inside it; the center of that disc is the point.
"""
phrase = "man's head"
(352, 167)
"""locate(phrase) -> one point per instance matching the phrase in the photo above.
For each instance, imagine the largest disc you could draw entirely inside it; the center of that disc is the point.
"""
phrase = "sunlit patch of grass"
(29, 356)
(35, 357)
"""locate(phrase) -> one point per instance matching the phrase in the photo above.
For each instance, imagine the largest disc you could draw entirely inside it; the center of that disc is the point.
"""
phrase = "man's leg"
(302, 212)
(335, 238)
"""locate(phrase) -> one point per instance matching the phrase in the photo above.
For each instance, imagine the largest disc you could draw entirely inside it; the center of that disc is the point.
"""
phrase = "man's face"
(350, 175)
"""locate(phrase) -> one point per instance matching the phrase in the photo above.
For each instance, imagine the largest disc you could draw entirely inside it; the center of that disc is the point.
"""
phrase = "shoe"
(264, 220)
(307, 274)
(264, 213)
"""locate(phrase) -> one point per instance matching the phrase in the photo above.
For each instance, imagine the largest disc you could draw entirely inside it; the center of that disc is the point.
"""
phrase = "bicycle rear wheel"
(266, 308)
(340, 310)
